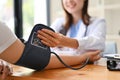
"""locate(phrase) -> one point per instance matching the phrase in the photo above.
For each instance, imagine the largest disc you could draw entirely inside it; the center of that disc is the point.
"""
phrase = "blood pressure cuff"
(35, 55)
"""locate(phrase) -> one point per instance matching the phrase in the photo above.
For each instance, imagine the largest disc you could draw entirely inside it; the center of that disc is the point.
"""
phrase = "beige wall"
(56, 9)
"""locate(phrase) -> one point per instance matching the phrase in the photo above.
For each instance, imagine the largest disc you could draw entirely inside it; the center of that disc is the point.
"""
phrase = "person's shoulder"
(2, 24)
(61, 19)
(58, 22)
(96, 20)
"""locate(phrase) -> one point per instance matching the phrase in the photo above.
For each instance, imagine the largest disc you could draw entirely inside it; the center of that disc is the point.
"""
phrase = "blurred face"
(73, 6)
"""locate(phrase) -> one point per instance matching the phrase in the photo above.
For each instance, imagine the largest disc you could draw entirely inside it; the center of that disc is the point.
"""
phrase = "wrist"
(67, 42)
(62, 40)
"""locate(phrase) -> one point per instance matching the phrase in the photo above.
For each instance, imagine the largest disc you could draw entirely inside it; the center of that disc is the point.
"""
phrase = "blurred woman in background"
(78, 32)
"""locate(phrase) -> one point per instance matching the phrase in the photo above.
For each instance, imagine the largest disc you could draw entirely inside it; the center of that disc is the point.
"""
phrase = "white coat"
(94, 39)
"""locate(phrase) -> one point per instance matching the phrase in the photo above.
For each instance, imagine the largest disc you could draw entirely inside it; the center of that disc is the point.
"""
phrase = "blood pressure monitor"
(113, 62)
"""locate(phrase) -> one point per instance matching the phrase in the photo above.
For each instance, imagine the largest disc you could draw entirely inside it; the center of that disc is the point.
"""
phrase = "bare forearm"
(69, 60)
(69, 42)
(72, 60)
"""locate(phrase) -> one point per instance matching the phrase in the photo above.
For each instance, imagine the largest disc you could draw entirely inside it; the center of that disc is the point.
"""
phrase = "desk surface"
(90, 72)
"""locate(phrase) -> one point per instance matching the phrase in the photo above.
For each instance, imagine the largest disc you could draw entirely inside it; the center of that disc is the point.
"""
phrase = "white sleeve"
(57, 24)
(7, 37)
(95, 39)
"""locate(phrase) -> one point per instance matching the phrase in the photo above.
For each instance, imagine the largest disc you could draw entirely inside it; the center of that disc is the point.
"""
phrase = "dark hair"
(85, 16)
